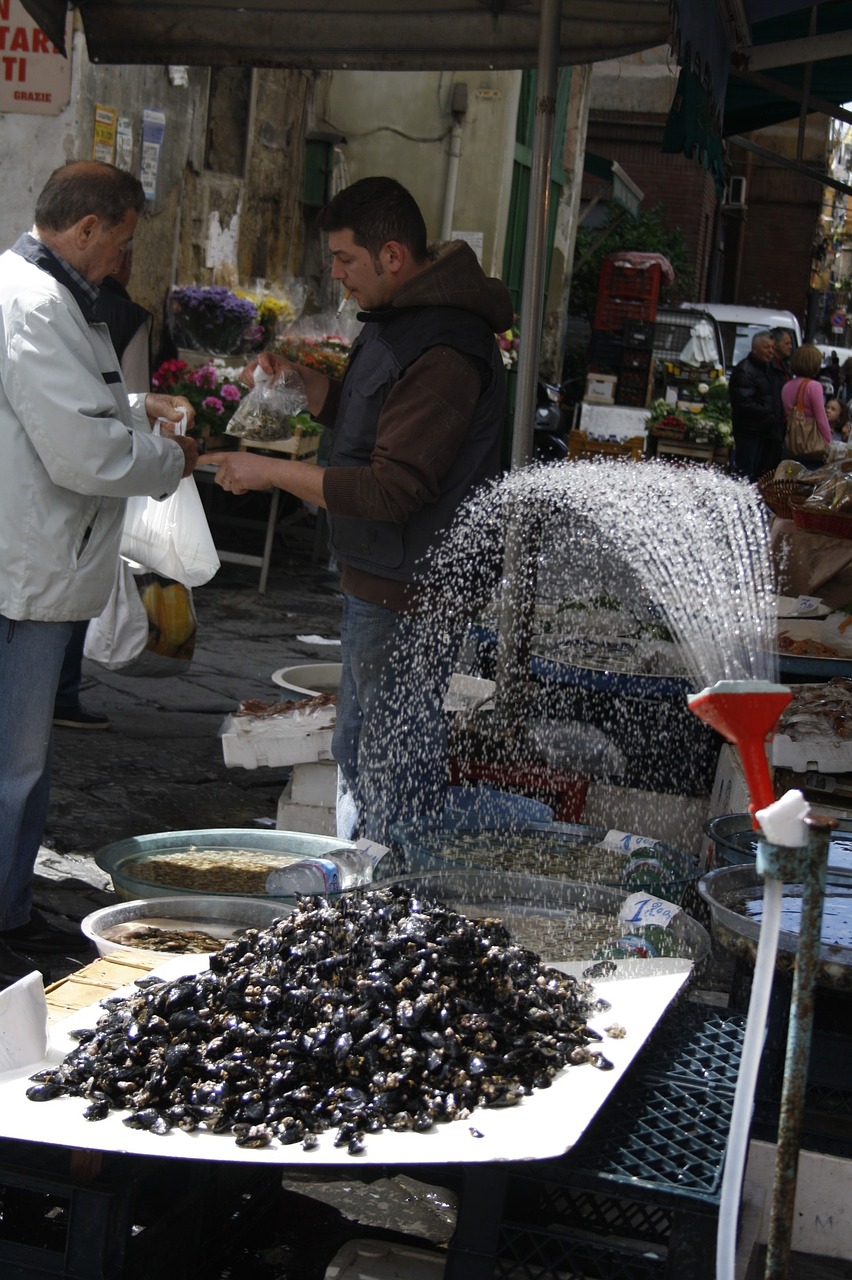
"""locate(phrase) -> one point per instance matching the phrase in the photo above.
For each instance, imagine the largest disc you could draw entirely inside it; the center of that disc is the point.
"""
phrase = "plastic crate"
(132, 1218)
(626, 295)
(606, 352)
(638, 1197)
(638, 336)
(636, 359)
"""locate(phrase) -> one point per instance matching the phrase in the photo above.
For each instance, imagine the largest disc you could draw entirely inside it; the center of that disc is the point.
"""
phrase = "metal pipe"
(536, 241)
(798, 1050)
(452, 179)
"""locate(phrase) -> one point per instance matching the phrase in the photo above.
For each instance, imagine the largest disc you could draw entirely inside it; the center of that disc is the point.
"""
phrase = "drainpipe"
(458, 108)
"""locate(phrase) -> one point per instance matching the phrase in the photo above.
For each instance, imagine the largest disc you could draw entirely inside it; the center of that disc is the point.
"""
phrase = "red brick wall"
(766, 254)
(683, 187)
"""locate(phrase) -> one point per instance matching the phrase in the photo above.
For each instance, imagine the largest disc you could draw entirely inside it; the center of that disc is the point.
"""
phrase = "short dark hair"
(377, 210)
(780, 332)
(83, 187)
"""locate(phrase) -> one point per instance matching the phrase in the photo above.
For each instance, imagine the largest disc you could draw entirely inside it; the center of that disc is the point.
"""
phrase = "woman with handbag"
(808, 430)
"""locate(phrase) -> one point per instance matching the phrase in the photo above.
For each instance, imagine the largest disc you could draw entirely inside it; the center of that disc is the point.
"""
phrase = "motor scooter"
(550, 429)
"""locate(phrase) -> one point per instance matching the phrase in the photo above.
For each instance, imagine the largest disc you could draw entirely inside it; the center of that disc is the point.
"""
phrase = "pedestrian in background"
(756, 410)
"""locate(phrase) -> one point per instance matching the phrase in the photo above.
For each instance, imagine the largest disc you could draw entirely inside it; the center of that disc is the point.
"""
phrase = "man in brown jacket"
(417, 421)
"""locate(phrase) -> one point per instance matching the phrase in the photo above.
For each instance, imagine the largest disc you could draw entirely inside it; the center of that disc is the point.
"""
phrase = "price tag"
(644, 909)
(625, 841)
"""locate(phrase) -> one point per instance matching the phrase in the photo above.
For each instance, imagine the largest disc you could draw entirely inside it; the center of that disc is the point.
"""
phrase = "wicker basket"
(833, 523)
(779, 494)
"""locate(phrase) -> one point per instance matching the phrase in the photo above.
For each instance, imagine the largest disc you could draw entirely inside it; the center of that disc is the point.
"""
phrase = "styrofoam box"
(808, 755)
(273, 741)
(380, 1260)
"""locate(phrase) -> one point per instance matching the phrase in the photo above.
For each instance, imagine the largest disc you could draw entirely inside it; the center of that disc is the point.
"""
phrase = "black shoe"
(13, 967)
(39, 937)
(77, 718)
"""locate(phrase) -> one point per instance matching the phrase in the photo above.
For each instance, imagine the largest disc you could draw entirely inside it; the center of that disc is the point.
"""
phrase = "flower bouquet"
(211, 318)
(509, 342)
(212, 390)
(278, 307)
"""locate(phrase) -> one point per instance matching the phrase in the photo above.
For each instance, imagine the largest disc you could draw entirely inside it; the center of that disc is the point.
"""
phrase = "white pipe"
(453, 158)
(758, 1006)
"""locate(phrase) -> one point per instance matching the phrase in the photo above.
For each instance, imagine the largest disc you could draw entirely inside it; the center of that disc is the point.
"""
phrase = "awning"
(391, 35)
(752, 63)
(623, 190)
(751, 34)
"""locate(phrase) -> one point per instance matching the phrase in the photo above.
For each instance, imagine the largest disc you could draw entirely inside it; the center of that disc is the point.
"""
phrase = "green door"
(516, 225)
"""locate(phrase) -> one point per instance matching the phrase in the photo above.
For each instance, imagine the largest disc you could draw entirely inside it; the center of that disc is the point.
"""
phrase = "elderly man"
(72, 448)
(417, 421)
(755, 410)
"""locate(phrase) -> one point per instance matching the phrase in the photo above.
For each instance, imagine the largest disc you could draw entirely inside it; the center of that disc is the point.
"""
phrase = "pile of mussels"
(379, 1011)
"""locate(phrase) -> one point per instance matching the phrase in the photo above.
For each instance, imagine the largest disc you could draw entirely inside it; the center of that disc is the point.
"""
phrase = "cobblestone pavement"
(160, 764)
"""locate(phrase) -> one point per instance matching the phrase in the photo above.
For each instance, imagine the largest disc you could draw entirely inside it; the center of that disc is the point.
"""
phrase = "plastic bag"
(265, 413)
(148, 627)
(171, 537)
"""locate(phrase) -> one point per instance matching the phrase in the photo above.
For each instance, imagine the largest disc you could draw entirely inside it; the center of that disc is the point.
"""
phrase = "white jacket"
(71, 447)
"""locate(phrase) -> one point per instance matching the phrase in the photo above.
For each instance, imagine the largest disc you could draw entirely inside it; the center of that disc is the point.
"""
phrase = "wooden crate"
(97, 981)
(580, 446)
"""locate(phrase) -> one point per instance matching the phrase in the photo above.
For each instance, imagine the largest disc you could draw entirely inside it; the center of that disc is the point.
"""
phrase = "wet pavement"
(160, 765)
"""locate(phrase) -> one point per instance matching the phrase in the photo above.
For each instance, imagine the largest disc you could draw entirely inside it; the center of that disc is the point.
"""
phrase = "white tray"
(546, 1124)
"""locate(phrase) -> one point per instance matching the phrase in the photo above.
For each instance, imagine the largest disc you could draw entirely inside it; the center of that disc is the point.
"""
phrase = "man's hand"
(314, 382)
(189, 447)
(170, 408)
(241, 472)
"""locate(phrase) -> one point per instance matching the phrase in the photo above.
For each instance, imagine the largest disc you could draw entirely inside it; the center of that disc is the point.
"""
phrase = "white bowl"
(312, 679)
(219, 916)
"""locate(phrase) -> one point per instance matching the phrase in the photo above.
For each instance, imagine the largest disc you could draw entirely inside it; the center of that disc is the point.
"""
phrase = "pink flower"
(212, 404)
(204, 377)
(229, 392)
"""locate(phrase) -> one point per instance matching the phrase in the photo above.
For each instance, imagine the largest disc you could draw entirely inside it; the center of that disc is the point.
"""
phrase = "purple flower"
(212, 404)
(229, 392)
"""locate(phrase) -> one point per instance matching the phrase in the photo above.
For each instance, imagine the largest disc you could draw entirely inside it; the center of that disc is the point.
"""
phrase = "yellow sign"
(103, 140)
(34, 77)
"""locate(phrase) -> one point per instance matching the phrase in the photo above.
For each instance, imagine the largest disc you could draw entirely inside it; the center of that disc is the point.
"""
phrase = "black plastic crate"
(606, 352)
(638, 1197)
(634, 358)
(638, 335)
(133, 1217)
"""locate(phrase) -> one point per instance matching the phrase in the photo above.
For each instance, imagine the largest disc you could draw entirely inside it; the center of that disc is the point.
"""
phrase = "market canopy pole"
(536, 241)
(514, 627)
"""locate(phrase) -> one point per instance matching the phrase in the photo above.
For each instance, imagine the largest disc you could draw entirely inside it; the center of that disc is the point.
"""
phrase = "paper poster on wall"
(35, 79)
(103, 139)
(153, 129)
(124, 142)
(473, 238)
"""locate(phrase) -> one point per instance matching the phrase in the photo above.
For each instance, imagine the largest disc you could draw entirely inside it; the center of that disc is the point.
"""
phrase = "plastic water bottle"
(336, 870)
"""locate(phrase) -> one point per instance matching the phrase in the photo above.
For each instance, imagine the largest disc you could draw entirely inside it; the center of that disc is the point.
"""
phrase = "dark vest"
(381, 354)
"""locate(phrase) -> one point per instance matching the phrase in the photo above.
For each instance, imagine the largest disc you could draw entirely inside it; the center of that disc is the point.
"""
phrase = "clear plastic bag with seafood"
(265, 413)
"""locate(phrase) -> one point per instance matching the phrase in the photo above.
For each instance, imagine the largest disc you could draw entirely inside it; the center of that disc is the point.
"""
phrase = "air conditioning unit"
(735, 193)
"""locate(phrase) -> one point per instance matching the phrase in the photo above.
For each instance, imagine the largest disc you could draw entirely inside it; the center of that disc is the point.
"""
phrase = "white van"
(740, 324)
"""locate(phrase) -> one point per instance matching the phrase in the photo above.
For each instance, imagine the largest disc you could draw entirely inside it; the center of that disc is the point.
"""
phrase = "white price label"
(626, 842)
(643, 908)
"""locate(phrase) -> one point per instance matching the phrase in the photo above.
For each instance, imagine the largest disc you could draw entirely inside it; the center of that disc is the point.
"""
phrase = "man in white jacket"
(73, 447)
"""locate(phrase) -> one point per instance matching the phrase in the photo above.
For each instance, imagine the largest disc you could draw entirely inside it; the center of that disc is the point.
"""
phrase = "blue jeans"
(31, 655)
(68, 692)
(390, 739)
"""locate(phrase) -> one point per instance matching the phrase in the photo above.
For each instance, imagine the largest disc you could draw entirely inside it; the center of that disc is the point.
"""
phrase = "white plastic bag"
(171, 537)
(119, 635)
(147, 628)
